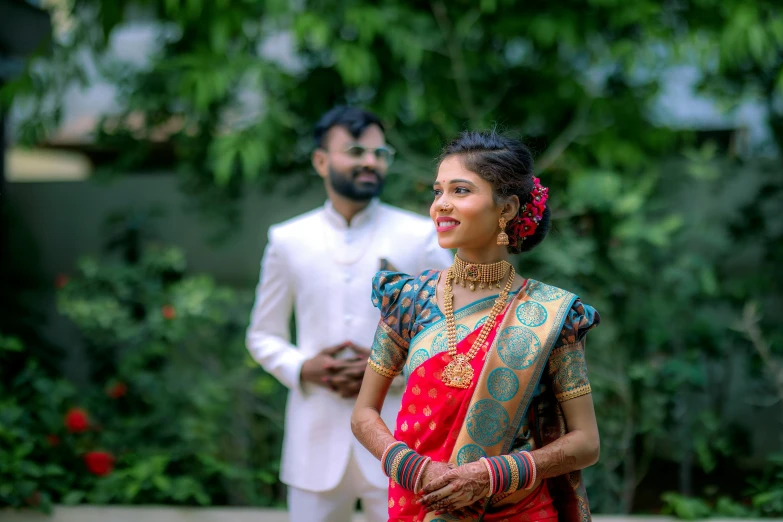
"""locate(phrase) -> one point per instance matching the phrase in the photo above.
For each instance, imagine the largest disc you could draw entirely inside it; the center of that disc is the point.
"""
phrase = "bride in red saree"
(497, 417)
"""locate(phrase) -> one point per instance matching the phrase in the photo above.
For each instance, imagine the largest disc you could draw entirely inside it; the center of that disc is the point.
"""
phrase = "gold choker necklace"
(490, 274)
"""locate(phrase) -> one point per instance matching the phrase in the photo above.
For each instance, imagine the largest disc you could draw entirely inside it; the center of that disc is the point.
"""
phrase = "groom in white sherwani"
(319, 266)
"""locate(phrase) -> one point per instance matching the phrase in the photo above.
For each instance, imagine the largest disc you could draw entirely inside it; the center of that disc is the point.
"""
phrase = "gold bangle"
(514, 472)
(396, 464)
(386, 453)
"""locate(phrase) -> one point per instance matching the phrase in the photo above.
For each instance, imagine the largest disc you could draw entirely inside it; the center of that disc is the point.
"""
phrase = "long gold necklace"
(490, 274)
(459, 373)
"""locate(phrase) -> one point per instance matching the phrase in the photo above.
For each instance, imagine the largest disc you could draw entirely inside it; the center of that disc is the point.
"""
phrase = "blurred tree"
(656, 230)
(236, 86)
(739, 43)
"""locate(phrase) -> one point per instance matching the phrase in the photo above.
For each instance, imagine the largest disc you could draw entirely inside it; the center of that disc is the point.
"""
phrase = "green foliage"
(193, 421)
(191, 429)
(688, 508)
(765, 499)
(748, 57)
(767, 490)
(671, 258)
(685, 508)
(236, 86)
(31, 407)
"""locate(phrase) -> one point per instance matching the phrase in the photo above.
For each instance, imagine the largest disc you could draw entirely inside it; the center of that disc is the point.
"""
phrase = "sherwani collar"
(360, 220)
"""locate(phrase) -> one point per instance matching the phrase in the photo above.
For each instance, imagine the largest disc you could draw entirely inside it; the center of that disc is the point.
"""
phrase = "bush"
(174, 411)
(33, 454)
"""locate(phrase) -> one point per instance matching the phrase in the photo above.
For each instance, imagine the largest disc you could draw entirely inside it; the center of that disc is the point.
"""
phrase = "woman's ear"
(511, 208)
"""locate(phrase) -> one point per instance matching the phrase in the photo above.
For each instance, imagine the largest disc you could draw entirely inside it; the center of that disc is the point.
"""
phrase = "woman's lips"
(446, 224)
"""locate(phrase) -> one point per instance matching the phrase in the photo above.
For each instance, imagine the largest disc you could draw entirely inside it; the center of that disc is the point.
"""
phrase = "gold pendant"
(458, 373)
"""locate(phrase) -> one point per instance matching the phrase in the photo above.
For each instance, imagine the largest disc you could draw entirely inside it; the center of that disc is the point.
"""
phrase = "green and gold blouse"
(408, 306)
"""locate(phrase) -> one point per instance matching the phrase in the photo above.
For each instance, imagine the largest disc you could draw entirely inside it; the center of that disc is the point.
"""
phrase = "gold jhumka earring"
(502, 237)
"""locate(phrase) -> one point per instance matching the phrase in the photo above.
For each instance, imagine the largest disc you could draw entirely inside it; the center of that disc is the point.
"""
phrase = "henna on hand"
(474, 510)
(434, 471)
(558, 463)
(373, 434)
(553, 461)
(460, 487)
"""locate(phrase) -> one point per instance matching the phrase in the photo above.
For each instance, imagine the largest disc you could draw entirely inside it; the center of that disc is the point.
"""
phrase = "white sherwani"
(321, 269)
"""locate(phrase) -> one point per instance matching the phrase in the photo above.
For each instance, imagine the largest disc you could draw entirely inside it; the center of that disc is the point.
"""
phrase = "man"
(320, 265)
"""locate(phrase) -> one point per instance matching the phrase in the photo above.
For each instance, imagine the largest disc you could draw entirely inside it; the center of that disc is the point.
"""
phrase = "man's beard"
(348, 187)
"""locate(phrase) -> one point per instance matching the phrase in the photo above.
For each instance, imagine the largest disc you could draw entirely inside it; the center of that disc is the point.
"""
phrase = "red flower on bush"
(99, 463)
(33, 500)
(76, 420)
(168, 312)
(117, 390)
(53, 440)
(61, 280)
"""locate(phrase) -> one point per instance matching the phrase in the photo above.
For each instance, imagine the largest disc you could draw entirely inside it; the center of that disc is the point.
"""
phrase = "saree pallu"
(462, 425)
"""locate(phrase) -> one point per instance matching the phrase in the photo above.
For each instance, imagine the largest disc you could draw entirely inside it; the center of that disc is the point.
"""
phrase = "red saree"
(538, 332)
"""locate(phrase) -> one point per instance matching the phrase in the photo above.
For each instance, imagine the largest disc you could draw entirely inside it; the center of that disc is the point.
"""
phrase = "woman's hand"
(474, 510)
(433, 471)
(456, 489)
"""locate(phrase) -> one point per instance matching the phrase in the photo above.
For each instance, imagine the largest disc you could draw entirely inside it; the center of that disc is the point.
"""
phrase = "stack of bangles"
(403, 465)
(509, 473)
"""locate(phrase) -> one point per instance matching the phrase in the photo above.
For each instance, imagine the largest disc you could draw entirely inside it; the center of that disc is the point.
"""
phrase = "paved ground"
(170, 514)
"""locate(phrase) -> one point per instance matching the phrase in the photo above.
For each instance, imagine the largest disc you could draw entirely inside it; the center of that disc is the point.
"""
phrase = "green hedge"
(177, 412)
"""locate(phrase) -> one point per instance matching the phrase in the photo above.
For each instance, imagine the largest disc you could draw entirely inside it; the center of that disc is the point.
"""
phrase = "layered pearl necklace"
(459, 373)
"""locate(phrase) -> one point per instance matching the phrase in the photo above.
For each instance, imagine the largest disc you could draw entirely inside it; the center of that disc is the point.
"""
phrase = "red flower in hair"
(168, 312)
(538, 207)
(76, 420)
(99, 463)
(117, 390)
(530, 215)
(53, 440)
(526, 227)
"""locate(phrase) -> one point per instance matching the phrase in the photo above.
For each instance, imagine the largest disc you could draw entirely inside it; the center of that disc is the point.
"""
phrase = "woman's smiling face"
(464, 209)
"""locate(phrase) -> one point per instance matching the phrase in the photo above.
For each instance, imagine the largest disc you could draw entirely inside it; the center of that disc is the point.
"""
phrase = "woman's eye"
(437, 192)
(461, 190)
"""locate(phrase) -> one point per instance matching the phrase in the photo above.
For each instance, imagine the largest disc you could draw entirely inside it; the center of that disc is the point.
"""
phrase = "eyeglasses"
(385, 153)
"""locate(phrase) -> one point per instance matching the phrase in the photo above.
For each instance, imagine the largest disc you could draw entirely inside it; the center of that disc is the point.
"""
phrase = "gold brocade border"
(391, 344)
(529, 376)
(573, 394)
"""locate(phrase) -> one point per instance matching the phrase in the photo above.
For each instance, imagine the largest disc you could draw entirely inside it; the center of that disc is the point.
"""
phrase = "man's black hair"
(353, 119)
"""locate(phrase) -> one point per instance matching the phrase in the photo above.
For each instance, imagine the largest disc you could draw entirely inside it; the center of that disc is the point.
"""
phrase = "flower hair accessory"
(526, 223)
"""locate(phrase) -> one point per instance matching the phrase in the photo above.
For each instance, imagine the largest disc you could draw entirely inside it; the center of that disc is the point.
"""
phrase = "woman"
(497, 416)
